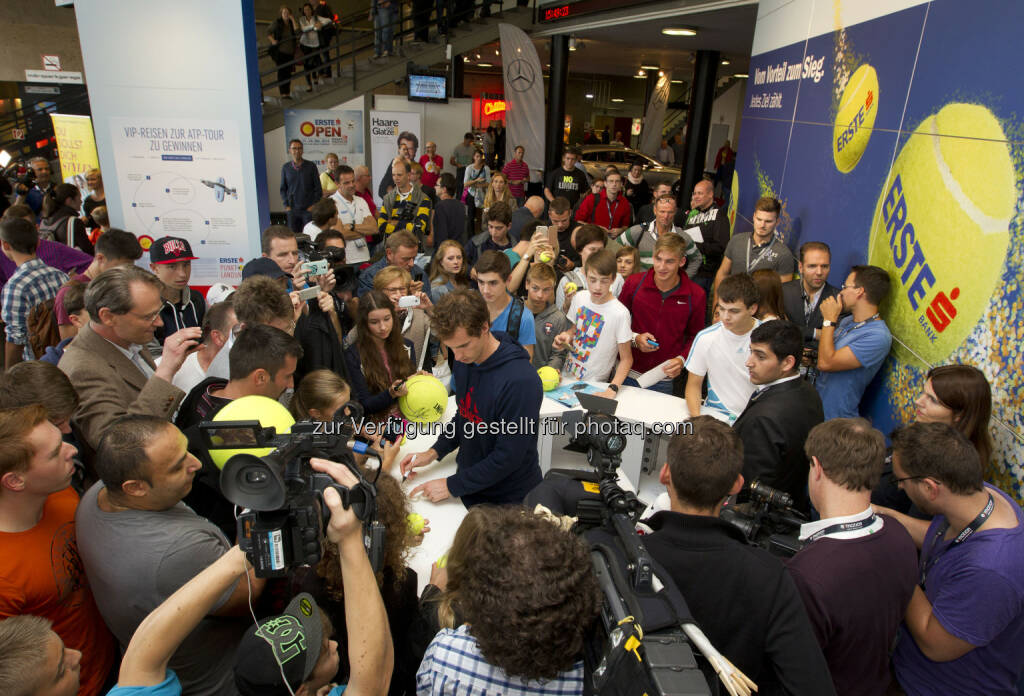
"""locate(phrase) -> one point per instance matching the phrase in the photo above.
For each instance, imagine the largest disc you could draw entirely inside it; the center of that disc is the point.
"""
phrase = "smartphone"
(408, 301)
(316, 268)
(309, 293)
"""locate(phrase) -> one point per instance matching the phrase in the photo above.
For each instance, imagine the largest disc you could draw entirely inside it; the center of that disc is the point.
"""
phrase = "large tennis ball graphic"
(855, 119)
(941, 229)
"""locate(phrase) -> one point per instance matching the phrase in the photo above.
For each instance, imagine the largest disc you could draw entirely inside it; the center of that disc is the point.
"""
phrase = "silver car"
(597, 157)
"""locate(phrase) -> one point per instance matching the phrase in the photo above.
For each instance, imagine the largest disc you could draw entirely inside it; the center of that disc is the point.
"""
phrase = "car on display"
(597, 157)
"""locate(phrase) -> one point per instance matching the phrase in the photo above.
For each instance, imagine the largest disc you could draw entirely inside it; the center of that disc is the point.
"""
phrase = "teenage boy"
(588, 240)
(507, 313)
(548, 319)
(498, 219)
(600, 328)
(567, 181)
(668, 312)
(720, 353)
(609, 209)
(170, 259)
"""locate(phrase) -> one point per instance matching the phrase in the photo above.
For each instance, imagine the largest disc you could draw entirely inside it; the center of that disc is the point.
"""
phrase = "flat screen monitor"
(428, 87)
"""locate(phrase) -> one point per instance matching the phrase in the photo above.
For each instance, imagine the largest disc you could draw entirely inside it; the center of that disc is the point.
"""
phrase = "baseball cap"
(218, 292)
(170, 249)
(289, 643)
(262, 266)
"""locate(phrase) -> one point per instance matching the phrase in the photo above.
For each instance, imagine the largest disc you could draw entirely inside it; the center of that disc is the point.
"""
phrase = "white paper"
(695, 234)
(654, 375)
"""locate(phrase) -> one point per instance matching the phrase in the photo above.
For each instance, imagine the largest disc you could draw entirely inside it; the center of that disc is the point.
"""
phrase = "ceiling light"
(741, 75)
(725, 62)
(618, 101)
(588, 96)
(677, 82)
(465, 59)
(478, 56)
(640, 76)
(5, 157)
(497, 53)
(679, 31)
(572, 47)
(649, 67)
(661, 73)
(484, 65)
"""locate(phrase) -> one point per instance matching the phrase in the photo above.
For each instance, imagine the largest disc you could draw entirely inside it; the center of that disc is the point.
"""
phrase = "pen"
(406, 476)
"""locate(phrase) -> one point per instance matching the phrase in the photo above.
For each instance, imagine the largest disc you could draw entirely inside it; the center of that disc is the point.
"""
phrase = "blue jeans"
(384, 28)
(664, 386)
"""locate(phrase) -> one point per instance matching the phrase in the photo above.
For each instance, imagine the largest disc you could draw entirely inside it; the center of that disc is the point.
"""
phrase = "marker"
(406, 476)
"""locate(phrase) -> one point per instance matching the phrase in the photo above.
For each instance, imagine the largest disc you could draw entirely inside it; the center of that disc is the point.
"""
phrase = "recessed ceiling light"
(679, 31)
(741, 75)
(618, 101)
(588, 96)
(465, 59)
(725, 62)
(649, 67)
(572, 47)
(478, 56)
(677, 82)
(497, 53)
(640, 75)
(484, 65)
(661, 73)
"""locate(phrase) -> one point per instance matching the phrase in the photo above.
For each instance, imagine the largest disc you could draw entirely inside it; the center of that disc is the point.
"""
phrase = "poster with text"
(385, 127)
(182, 178)
(76, 148)
(890, 131)
(323, 131)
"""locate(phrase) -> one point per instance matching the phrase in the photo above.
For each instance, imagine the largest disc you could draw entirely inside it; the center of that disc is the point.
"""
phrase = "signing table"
(656, 412)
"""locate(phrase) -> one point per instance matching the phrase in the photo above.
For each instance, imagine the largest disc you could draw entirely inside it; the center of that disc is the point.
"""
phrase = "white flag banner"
(654, 119)
(524, 96)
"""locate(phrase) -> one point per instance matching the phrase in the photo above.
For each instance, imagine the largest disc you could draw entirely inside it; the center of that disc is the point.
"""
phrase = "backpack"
(48, 228)
(42, 328)
(515, 316)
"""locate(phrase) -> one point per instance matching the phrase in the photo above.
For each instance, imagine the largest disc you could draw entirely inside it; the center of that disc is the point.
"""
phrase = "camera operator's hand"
(643, 343)
(435, 491)
(414, 461)
(176, 349)
(343, 525)
(327, 281)
(674, 367)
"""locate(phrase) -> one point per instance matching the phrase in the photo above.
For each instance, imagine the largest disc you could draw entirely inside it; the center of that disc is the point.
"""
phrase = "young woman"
(60, 218)
(413, 322)
(380, 360)
(770, 306)
(475, 182)
(627, 261)
(97, 198)
(319, 396)
(448, 269)
(282, 48)
(329, 177)
(638, 192)
(960, 396)
(309, 43)
(498, 190)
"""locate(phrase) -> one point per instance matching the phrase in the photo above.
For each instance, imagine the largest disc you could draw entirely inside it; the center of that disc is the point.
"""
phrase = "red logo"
(174, 247)
(468, 410)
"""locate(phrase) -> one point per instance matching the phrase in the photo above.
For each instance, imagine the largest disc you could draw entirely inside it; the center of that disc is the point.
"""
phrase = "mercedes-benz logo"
(521, 75)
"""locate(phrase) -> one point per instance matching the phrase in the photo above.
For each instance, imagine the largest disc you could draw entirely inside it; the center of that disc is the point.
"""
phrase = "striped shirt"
(453, 666)
(516, 170)
(32, 284)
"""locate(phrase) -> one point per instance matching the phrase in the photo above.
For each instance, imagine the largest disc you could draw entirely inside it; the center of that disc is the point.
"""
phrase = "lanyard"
(856, 326)
(960, 538)
(760, 254)
(843, 527)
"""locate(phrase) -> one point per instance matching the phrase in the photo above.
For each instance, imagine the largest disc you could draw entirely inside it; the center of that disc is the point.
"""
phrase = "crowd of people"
(120, 567)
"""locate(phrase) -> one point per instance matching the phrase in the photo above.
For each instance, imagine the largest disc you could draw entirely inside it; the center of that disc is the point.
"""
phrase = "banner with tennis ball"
(898, 151)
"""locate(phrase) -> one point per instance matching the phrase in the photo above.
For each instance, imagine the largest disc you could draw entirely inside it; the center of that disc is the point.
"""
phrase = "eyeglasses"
(897, 481)
(148, 318)
(844, 286)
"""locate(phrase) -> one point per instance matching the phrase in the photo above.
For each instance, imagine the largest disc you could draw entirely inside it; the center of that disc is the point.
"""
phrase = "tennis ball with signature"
(416, 523)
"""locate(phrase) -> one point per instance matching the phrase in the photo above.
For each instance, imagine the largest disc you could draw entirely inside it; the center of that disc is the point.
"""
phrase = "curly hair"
(393, 513)
(525, 587)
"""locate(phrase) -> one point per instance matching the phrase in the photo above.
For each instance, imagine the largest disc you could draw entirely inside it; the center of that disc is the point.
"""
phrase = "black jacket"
(744, 600)
(774, 427)
(793, 301)
(321, 344)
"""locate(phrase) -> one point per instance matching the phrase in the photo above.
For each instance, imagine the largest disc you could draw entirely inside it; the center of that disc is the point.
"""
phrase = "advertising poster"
(76, 148)
(323, 131)
(896, 151)
(183, 178)
(385, 127)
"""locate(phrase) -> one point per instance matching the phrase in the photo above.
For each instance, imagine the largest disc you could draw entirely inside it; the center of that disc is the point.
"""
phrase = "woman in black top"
(282, 49)
(60, 218)
(636, 188)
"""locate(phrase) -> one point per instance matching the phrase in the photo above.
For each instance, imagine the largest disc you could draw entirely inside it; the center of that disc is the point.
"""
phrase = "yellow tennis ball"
(549, 377)
(425, 400)
(442, 561)
(416, 523)
(941, 229)
(570, 288)
(855, 119)
(545, 257)
(268, 412)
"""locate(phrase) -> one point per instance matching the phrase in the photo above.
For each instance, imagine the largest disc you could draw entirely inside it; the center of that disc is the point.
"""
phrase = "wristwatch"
(826, 322)
(614, 388)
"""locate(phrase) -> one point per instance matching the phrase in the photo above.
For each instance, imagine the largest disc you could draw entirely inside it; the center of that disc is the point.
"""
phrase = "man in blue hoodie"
(499, 394)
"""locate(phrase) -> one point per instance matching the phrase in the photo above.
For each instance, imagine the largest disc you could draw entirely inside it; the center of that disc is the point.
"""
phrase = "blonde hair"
(24, 655)
(388, 274)
(318, 390)
(439, 276)
(491, 198)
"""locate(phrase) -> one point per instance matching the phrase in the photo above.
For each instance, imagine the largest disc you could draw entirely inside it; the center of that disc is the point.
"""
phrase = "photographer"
(400, 250)
(146, 667)
(405, 207)
(139, 543)
(33, 187)
(858, 570)
(739, 594)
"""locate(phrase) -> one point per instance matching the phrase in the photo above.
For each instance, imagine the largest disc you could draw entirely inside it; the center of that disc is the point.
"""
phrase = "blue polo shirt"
(841, 392)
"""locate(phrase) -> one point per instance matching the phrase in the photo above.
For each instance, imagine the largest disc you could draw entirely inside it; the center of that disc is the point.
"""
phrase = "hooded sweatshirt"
(495, 427)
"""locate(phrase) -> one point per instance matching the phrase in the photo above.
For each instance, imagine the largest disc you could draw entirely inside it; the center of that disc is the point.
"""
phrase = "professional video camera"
(281, 525)
(767, 519)
(639, 645)
(318, 260)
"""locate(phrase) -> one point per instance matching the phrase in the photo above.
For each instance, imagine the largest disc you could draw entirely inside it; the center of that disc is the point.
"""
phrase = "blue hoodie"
(503, 393)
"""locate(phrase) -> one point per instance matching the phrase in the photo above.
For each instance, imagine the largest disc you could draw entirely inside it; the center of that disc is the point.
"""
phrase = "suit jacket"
(774, 427)
(109, 385)
(793, 300)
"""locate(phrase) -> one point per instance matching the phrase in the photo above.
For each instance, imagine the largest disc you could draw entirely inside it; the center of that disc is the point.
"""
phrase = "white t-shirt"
(577, 276)
(600, 328)
(721, 355)
(190, 374)
(351, 213)
(311, 230)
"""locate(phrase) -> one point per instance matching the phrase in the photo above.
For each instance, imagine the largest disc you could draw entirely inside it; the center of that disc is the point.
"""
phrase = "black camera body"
(284, 515)
(767, 518)
(308, 251)
(637, 646)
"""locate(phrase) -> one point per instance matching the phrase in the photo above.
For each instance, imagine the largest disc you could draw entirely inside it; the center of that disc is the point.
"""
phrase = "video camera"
(283, 518)
(637, 646)
(767, 518)
(320, 260)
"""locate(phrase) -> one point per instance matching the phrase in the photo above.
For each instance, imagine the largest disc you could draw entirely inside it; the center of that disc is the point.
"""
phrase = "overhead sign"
(62, 76)
(51, 63)
(493, 106)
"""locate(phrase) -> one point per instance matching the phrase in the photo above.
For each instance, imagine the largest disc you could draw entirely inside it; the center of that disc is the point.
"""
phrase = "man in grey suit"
(108, 362)
(802, 296)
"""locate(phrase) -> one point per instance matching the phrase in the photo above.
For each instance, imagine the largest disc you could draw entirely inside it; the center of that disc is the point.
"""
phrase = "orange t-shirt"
(41, 574)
